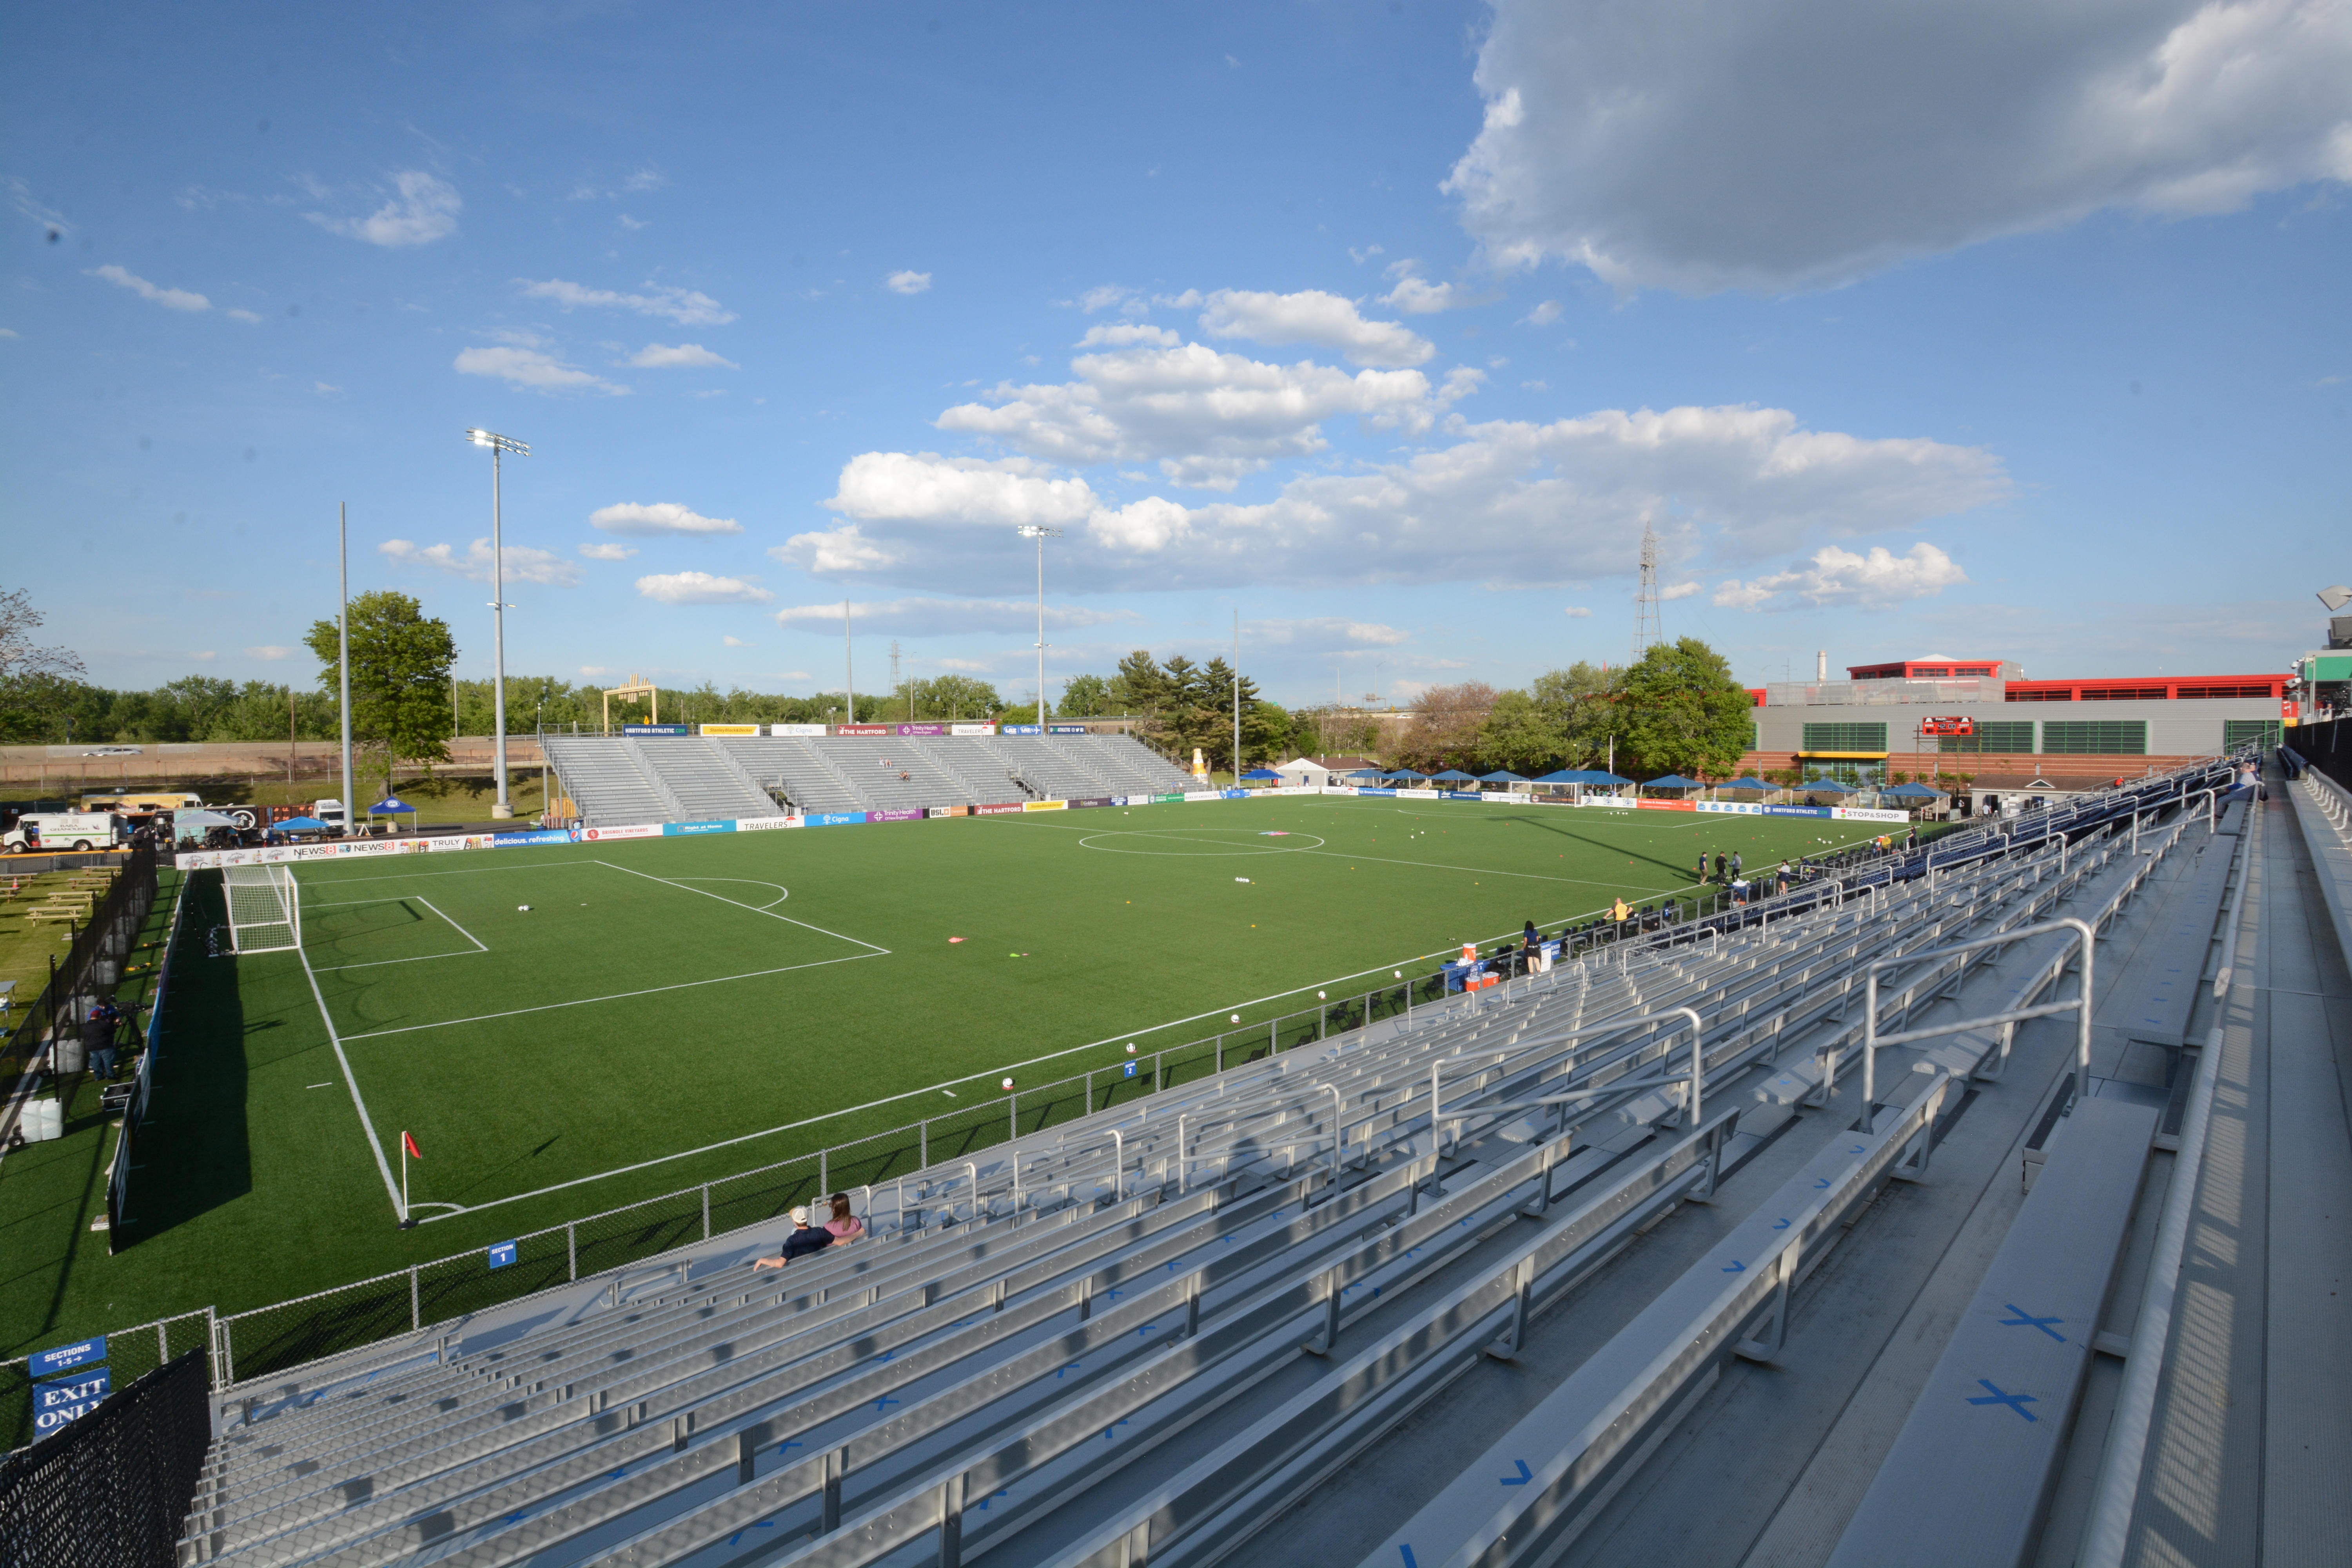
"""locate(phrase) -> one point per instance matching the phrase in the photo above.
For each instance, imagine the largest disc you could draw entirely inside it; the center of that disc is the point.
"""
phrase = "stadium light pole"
(1040, 534)
(499, 446)
(344, 651)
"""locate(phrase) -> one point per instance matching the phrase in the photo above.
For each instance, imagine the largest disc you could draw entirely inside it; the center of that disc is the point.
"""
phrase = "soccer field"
(670, 1011)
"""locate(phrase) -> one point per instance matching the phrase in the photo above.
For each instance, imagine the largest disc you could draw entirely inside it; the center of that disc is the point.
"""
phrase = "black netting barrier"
(112, 1490)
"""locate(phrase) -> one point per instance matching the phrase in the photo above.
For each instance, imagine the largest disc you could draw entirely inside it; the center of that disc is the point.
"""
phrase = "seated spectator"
(805, 1237)
(843, 1227)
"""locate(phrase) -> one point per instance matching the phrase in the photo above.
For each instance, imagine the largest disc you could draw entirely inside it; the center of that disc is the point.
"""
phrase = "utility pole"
(1237, 700)
(500, 447)
(343, 655)
(1041, 534)
(848, 666)
(894, 680)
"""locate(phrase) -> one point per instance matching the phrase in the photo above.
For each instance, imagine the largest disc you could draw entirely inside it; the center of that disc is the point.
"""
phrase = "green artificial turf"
(700, 994)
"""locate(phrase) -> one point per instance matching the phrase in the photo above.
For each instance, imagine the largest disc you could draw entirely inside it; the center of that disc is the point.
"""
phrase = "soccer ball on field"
(1008, 1085)
(522, 909)
(1130, 1047)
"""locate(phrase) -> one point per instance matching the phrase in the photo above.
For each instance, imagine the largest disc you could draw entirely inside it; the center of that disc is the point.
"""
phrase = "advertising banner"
(1860, 814)
(971, 728)
(655, 729)
(1019, 730)
(1361, 790)
(835, 818)
(1001, 809)
(1065, 728)
(863, 729)
(685, 829)
(1667, 804)
(795, 728)
(948, 811)
(1797, 810)
(1205, 794)
(1166, 799)
(896, 814)
(728, 729)
(628, 830)
(536, 835)
(1092, 800)
(767, 824)
(922, 729)
(1045, 805)
(1459, 795)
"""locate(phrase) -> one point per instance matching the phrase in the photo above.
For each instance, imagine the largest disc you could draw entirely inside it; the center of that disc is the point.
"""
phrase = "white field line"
(463, 871)
(383, 1165)
(617, 996)
(379, 963)
(771, 914)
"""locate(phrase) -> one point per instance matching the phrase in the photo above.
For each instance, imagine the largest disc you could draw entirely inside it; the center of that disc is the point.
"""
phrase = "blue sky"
(2021, 332)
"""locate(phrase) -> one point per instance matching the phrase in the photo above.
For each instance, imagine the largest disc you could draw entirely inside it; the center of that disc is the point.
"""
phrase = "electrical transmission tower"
(1647, 627)
(896, 689)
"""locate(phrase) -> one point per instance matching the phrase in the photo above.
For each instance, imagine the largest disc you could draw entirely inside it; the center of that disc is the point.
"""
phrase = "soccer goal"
(265, 909)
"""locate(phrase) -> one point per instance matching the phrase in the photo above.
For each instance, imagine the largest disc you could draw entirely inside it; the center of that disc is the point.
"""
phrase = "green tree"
(400, 677)
(1085, 696)
(1680, 711)
(37, 684)
(1446, 721)
(952, 696)
(1141, 688)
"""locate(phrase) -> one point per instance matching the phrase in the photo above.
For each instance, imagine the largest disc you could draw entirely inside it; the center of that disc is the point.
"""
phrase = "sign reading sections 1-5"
(65, 1358)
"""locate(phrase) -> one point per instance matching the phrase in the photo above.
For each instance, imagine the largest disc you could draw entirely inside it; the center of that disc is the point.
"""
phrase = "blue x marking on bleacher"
(992, 1497)
(1855, 1150)
(1145, 1330)
(1410, 1561)
(787, 1448)
(1116, 1294)
(1071, 1367)
(1523, 1478)
(1120, 1422)
(1779, 1224)
(1820, 1182)
(2025, 1319)
(886, 1399)
(2017, 1402)
(764, 1524)
(1172, 1265)
(1736, 1267)
(888, 1355)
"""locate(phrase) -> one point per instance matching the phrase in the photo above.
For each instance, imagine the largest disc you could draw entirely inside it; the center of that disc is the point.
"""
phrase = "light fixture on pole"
(499, 446)
(1040, 534)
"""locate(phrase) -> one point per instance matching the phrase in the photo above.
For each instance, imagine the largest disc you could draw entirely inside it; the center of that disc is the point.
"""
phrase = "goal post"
(265, 909)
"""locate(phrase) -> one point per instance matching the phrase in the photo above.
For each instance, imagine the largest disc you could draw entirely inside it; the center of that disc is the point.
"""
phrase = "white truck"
(55, 830)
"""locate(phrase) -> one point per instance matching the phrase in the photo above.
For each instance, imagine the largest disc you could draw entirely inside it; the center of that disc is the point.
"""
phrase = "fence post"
(706, 1211)
(1157, 1082)
(1221, 1053)
(824, 1184)
(923, 1143)
(571, 1251)
(1012, 1110)
(1367, 1009)
(1090, 1092)
(415, 1309)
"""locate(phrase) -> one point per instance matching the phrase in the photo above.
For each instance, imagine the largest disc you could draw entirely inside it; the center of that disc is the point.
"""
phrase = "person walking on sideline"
(1701, 865)
(1722, 867)
(1736, 865)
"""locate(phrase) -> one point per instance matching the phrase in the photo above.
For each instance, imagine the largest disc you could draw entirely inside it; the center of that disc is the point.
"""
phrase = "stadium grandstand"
(1910, 1216)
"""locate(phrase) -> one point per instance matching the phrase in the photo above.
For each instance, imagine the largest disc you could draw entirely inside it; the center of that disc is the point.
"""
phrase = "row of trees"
(1676, 710)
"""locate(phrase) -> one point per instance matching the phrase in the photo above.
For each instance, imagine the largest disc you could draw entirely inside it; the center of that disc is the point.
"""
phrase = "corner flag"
(409, 1143)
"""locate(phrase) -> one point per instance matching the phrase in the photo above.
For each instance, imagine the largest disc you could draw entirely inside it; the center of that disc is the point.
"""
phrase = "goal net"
(265, 909)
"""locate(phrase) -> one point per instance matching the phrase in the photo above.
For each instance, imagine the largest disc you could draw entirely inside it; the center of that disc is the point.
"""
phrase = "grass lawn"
(674, 995)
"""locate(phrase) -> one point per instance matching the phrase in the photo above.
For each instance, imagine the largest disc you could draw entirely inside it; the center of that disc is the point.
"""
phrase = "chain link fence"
(130, 1353)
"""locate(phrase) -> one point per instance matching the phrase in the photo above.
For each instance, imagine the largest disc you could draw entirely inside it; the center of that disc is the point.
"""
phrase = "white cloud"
(1361, 256)
(249, 318)
(1543, 315)
(170, 299)
(1127, 334)
(1841, 577)
(608, 552)
(529, 368)
(1416, 296)
(736, 642)
(9, 332)
(908, 282)
(1717, 145)
(1330, 631)
(947, 617)
(701, 588)
(1311, 316)
(269, 651)
(642, 522)
(1536, 502)
(1103, 296)
(1576, 611)
(325, 389)
(683, 356)
(687, 307)
(1207, 417)
(523, 564)
(424, 210)
(1678, 591)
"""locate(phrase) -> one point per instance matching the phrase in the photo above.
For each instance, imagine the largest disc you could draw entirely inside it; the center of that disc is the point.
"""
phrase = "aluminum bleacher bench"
(1975, 1465)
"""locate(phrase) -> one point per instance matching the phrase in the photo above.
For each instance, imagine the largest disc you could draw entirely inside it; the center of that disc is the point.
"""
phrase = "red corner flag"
(410, 1144)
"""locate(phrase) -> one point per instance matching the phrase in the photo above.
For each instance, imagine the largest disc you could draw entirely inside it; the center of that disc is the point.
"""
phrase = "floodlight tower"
(1647, 627)
(500, 447)
(1040, 534)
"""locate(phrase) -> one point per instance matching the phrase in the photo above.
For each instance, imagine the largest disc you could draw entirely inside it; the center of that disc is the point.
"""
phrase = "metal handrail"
(2080, 1006)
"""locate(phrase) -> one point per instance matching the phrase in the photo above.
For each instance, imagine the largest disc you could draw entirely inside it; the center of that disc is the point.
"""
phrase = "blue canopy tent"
(1674, 781)
(392, 806)
(1502, 775)
(298, 824)
(1263, 773)
(1912, 792)
(1456, 775)
(1602, 779)
(1826, 786)
(1364, 773)
(1748, 781)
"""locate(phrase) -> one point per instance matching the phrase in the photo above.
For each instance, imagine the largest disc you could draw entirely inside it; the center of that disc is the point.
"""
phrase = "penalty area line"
(616, 996)
(383, 1165)
(755, 909)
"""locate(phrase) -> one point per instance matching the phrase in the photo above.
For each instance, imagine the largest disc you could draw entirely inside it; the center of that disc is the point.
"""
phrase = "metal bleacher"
(607, 777)
(1307, 1309)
